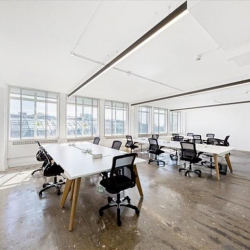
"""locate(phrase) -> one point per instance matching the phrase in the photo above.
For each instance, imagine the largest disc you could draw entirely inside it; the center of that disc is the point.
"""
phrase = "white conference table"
(215, 151)
(77, 164)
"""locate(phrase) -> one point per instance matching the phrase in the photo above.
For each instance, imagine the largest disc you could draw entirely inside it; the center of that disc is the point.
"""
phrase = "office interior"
(88, 85)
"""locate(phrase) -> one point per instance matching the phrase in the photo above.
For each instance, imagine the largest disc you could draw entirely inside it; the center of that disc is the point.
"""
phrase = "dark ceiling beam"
(210, 106)
(228, 85)
(154, 31)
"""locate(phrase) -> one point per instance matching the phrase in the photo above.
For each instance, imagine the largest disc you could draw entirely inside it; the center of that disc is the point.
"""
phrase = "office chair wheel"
(45, 185)
(40, 194)
(58, 191)
(110, 199)
(119, 223)
(100, 212)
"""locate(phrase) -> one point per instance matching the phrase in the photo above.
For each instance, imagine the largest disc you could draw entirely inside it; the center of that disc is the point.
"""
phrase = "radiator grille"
(18, 143)
(79, 139)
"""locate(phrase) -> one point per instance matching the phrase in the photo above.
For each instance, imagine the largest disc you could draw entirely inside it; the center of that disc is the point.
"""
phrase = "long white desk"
(77, 164)
(208, 149)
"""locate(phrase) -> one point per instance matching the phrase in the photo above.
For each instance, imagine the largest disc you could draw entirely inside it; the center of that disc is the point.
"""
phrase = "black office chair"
(40, 157)
(116, 145)
(189, 153)
(155, 136)
(130, 144)
(155, 150)
(197, 137)
(122, 177)
(210, 135)
(190, 134)
(173, 135)
(210, 164)
(96, 140)
(176, 138)
(49, 169)
(225, 141)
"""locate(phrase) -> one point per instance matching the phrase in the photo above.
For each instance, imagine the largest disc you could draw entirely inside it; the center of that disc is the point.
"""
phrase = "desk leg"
(138, 183)
(229, 162)
(74, 203)
(72, 190)
(217, 166)
(65, 192)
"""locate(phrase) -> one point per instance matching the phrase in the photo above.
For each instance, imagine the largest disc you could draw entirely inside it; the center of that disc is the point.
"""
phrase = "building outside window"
(175, 122)
(116, 118)
(82, 117)
(144, 119)
(160, 121)
(33, 114)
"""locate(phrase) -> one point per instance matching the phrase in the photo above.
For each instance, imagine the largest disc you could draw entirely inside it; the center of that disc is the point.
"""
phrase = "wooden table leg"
(229, 162)
(72, 190)
(138, 183)
(65, 192)
(217, 166)
(74, 203)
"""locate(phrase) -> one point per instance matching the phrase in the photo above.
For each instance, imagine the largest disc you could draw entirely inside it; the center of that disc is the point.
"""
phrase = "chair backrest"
(210, 135)
(197, 137)
(190, 134)
(213, 141)
(153, 144)
(129, 141)
(198, 141)
(188, 151)
(96, 140)
(178, 138)
(155, 136)
(116, 145)
(175, 134)
(125, 164)
(226, 143)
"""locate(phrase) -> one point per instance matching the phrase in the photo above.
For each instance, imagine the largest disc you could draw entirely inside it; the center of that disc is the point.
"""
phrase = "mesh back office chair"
(130, 144)
(49, 169)
(116, 145)
(190, 134)
(122, 177)
(196, 137)
(155, 150)
(176, 138)
(155, 136)
(210, 135)
(40, 156)
(198, 141)
(211, 141)
(96, 140)
(225, 141)
(173, 135)
(189, 153)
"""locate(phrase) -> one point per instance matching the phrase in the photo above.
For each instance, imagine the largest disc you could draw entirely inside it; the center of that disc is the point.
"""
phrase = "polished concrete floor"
(177, 212)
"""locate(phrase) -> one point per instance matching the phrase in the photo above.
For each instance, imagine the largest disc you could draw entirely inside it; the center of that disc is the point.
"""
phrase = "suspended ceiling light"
(155, 31)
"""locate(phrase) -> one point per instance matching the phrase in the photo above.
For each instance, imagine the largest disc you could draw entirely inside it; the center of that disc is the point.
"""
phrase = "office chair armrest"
(200, 153)
(136, 142)
(162, 147)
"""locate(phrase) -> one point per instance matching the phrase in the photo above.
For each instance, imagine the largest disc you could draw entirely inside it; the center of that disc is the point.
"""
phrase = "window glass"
(160, 121)
(144, 120)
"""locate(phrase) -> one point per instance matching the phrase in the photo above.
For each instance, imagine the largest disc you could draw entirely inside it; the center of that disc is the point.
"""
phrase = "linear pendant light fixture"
(156, 30)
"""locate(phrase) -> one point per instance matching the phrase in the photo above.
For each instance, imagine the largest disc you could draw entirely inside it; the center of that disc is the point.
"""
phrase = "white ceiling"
(37, 38)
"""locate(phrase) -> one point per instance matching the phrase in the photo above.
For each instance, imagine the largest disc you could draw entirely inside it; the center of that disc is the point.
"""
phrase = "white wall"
(3, 109)
(231, 120)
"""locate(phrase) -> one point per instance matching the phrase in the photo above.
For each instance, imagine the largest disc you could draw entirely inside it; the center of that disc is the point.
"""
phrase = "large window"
(160, 121)
(116, 114)
(144, 120)
(82, 117)
(33, 114)
(175, 121)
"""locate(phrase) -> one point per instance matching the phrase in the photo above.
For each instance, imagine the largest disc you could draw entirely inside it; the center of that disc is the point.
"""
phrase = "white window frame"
(83, 105)
(165, 118)
(178, 122)
(149, 112)
(113, 107)
(35, 101)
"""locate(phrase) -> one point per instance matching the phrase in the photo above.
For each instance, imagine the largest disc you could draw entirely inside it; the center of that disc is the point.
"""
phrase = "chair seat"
(158, 152)
(195, 160)
(117, 184)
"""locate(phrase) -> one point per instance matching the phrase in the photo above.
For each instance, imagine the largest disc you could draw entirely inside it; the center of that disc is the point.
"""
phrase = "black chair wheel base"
(100, 212)
(110, 199)
(58, 191)
(137, 211)
(119, 223)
